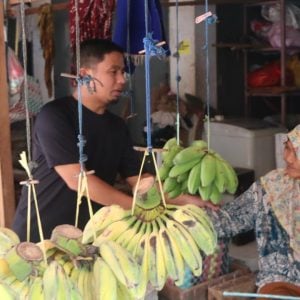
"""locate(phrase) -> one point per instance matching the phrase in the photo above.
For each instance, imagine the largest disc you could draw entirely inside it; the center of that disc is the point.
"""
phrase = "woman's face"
(292, 162)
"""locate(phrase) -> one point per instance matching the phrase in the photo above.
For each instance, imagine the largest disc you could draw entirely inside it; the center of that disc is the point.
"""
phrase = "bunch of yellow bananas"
(197, 170)
(164, 240)
(72, 270)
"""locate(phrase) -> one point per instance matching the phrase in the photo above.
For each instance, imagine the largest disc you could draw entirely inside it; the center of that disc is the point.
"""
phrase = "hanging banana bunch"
(165, 240)
(197, 170)
(73, 270)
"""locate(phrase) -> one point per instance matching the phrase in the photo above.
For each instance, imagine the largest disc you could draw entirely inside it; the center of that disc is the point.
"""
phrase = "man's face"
(109, 77)
(292, 162)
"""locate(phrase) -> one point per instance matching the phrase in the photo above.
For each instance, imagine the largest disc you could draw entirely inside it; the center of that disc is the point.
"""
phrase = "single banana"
(156, 269)
(62, 290)
(73, 290)
(185, 242)
(21, 288)
(4, 268)
(205, 191)
(188, 154)
(220, 179)
(50, 281)
(133, 243)
(194, 179)
(163, 171)
(179, 169)
(101, 219)
(82, 279)
(125, 237)
(167, 146)
(36, 289)
(88, 293)
(175, 192)
(122, 293)
(8, 239)
(203, 237)
(68, 267)
(183, 177)
(231, 177)
(171, 153)
(142, 253)
(114, 230)
(122, 263)
(202, 217)
(172, 257)
(208, 169)
(105, 282)
(7, 293)
(183, 187)
(169, 184)
(215, 195)
(75, 274)
(199, 144)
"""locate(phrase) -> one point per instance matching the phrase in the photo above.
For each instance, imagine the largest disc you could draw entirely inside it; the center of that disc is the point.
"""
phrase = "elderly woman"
(272, 207)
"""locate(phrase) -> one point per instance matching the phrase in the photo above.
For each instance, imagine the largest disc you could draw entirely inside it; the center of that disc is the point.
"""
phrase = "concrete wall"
(192, 62)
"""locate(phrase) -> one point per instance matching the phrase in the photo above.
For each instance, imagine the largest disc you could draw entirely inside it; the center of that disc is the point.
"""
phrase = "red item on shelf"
(268, 75)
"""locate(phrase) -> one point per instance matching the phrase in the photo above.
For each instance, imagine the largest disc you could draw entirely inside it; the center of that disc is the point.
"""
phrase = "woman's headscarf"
(283, 193)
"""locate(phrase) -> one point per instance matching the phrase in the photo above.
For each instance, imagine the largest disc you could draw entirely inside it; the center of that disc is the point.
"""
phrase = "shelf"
(273, 91)
(253, 47)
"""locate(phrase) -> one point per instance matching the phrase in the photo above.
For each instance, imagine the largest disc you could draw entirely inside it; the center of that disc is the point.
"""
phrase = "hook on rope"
(84, 80)
(153, 47)
(29, 182)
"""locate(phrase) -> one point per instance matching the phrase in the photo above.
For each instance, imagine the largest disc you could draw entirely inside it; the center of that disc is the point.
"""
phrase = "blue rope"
(150, 50)
(86, 80)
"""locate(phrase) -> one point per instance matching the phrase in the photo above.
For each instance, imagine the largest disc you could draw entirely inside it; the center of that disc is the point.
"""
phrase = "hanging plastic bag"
(292, 12)
(15, 73)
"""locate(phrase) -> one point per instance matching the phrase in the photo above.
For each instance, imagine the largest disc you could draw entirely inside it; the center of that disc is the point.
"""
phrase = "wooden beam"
(55, 7)
(7, 195)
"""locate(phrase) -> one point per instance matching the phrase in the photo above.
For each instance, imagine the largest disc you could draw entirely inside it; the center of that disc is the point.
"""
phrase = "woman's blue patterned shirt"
(251, 211)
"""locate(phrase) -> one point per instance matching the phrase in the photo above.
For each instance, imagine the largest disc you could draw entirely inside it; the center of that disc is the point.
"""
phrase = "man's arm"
(100, 191)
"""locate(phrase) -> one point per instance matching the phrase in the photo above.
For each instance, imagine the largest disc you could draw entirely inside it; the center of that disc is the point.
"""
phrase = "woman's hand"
(191, 199)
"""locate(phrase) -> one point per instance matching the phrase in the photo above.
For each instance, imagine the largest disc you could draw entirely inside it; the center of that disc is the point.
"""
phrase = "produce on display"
(68, 270)
(165, 240)
(196, 170)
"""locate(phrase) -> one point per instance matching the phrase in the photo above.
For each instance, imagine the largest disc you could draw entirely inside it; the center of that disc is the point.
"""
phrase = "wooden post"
(7, 195)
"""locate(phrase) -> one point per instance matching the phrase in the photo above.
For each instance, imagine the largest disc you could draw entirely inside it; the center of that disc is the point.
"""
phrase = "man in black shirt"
(108, 146)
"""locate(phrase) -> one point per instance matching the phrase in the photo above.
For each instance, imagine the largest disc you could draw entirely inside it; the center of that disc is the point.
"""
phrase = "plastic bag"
(15, 73)
(272, 14)
(292, 37)
(268, 75)
(294, 65)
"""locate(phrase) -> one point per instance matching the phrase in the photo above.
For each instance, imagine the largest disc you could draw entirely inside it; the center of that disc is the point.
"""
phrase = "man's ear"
(84, 72)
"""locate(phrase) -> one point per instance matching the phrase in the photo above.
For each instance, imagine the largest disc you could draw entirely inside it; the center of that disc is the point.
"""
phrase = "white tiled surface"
(246, 253)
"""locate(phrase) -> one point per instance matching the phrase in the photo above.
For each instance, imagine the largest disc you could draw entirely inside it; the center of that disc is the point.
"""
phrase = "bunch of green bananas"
(197, 170)
(164, 240)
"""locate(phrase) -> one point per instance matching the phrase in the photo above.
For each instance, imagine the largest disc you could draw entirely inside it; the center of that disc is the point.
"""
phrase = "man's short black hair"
(93, 51)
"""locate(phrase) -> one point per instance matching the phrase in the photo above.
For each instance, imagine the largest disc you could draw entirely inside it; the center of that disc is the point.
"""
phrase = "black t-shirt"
(55, 137)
